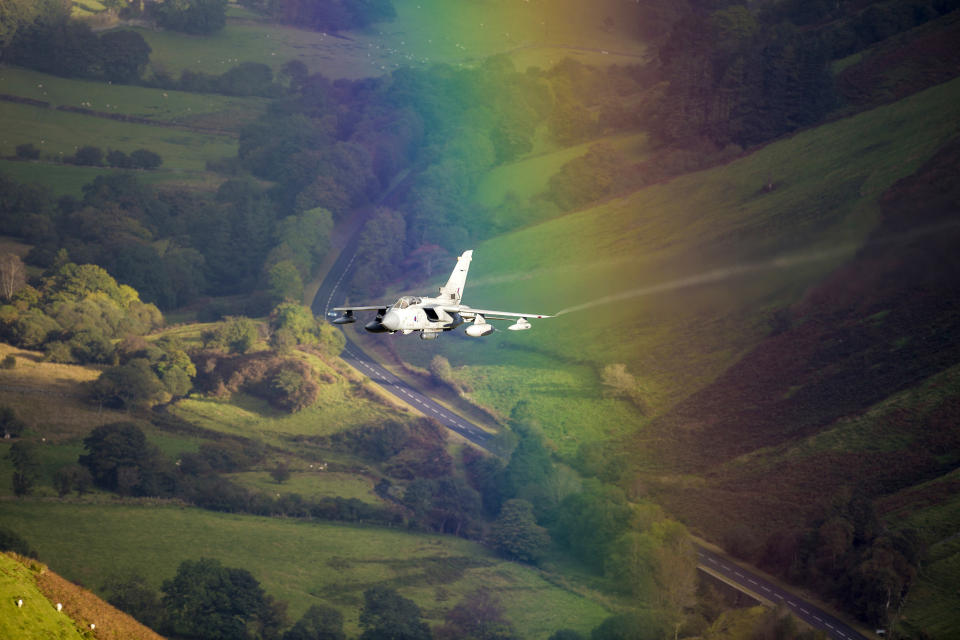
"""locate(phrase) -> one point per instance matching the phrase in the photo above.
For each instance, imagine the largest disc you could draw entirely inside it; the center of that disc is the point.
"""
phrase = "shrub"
(9, 362)
(118, 159)
(145, 159)
(27, 151)
(89, 156)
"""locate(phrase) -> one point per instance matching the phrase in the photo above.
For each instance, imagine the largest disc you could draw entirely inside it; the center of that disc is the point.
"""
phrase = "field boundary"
(121, 117)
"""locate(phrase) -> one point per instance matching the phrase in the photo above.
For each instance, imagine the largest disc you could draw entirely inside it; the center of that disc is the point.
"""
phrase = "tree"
(132, 594)
(190, 16)
(10, 425)
(285, 282)
(145, 159)
(280, 473)
(318, 623)
(89, 156)
(237, 334)
(27, 151)
(118, 159)
(63, 481)
(386, 615)
(15, 15)
(118, 446)
(479, 616)
(133, 384)
(207, 600)
(10, 541)
(124, 55)
(13, 275)
(26, 466)
(517, 534)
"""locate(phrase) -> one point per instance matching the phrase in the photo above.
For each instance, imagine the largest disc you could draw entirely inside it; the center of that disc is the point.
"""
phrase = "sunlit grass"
(719, 225)
(59, 134)
(299, 562)
(311, 484)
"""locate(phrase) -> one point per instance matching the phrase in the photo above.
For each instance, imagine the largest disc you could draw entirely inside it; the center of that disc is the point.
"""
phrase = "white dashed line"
(738, 574)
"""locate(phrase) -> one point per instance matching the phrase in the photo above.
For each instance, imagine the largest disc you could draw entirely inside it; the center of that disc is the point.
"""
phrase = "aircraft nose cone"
(391, 320)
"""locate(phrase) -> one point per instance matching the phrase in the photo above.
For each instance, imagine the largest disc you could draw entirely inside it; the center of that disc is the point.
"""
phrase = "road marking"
(738, 574)
(751, 581)
(804, 610)
(765, 588)
(712, 560)
(791, 603)
(725, 566)
(817, 619)
(778, 595)
(829, 626)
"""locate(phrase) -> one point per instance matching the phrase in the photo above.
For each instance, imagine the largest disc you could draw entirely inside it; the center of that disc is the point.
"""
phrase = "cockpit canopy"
(405, 302)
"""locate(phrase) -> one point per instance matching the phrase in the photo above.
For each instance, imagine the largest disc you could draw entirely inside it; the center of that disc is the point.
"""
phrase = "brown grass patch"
(49, 397)
(86, 608)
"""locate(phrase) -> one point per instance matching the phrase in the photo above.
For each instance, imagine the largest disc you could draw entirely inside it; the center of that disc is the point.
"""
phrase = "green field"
(311, 484)
(58, 134)
(679, 278)
(425, 32)
(528, 177)
(301, 562)
(65, 179)
(162, 105)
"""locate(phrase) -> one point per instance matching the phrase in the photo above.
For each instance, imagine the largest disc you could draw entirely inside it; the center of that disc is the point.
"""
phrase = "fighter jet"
(433, 316)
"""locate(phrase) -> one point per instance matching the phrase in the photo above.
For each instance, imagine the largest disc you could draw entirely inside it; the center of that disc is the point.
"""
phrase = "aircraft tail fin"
(453, 290)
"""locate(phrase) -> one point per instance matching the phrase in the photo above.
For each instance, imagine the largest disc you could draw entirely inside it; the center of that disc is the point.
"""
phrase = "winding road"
(330, 294)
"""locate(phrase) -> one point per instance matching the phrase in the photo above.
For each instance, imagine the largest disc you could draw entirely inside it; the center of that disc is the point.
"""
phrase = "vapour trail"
(783, 262)
(716, 275)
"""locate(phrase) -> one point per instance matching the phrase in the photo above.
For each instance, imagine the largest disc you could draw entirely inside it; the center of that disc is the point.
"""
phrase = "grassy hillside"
(40, 590)
(37, 615)
(679, 280)
(302, 563)
(424, 32)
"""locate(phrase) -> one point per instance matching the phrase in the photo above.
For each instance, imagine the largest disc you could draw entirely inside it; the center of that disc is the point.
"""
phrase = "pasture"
(424, 32)
(678, 280)
(36, 618)
(58, 134)
(302, 563)
(207, 110)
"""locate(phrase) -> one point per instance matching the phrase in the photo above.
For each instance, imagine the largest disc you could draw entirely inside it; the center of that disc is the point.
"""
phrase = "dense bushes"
(58, 45)
(287, 383)
(190, 16)
(334, 15)
(75, 314)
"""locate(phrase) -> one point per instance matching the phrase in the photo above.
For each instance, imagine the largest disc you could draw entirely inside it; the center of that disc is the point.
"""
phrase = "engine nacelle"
(479, 330)
(429, 335)
(375, 326)
(520, 325)
(346, 318)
